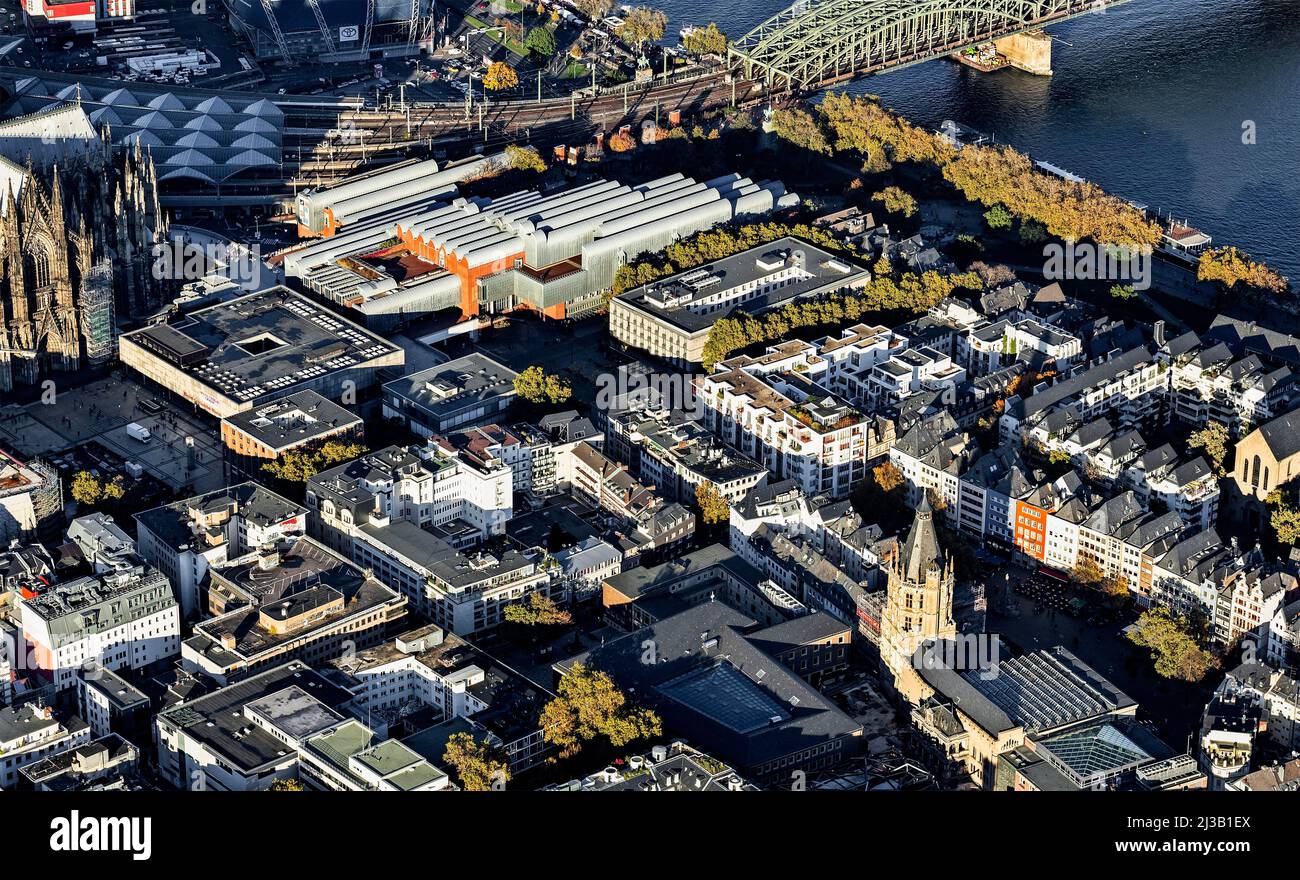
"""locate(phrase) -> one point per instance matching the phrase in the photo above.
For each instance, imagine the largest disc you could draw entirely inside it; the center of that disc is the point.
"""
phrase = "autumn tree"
(89, 490)
(888, 478)
(1116, 587)
(300, 465)
(707, 40)
(1284, 517)
(590, 706)
(1213, 440)
(500, 77)
(287, 785)
(595, 9)
(537, 610)
(535, 385)
(1231, 267)
(896, 201)
(540, 42)
(642, 25)
(621, 142)
(1175, 652)
(714, 508)
(524, 158)
(800, 128)
(475, 763)
(1087, 572)
(995, 275)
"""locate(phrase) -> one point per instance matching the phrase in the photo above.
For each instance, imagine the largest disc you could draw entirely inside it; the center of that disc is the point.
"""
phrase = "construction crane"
(320, 22)
(275, 29)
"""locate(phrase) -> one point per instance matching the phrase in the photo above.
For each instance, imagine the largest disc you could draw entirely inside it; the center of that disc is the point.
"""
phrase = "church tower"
(918, 599)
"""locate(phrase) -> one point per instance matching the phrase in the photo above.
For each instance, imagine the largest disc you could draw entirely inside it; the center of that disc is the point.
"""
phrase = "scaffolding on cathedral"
(97, 313)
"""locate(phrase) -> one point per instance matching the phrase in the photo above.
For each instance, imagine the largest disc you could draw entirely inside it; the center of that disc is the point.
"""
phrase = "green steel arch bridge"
(816, 43)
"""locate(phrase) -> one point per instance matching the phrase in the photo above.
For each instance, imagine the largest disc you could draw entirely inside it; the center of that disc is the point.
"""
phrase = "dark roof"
(719, 688)
(1282, 435)
(921, 549)
(218, 721)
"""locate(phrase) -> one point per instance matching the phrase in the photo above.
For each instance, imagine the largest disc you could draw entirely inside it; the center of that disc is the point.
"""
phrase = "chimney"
(1158, 331)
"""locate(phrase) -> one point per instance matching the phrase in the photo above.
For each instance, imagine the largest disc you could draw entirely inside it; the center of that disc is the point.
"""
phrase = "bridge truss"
(818, 42)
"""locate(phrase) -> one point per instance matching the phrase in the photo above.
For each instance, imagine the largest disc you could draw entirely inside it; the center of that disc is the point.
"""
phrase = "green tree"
(1032, 232)
(708, 40)
(590, 706)
(998, 217)
(896, 201)
(537, 610)
(1123, 291)
(1213, 440)
(535, 385)
(540, 42)
(642, 25)
(714, 508)
(287, 785)
(1175, 652)
(475, 763)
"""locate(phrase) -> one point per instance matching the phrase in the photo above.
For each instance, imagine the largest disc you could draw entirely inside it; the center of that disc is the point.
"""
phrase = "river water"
(1150, 100)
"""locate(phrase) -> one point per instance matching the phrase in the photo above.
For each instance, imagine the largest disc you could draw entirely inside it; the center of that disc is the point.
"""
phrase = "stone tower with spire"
(918, 599)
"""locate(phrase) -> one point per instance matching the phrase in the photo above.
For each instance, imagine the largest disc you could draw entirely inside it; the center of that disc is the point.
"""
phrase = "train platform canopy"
(191, 135)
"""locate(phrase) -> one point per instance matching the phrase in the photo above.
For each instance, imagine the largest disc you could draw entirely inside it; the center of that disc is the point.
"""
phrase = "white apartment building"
(285, 723)
(833, 529)
(432, 668)
(1128, 388)
(30, 733)
(124, 619)
(462, 593)
(990, 347)
(1210, 384)
(774, 410)
(910, 372)
(1188, 488)
(421, 485)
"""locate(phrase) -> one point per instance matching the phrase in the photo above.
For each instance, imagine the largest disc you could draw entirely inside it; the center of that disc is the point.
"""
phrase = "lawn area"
(498, 35)
(574, 70)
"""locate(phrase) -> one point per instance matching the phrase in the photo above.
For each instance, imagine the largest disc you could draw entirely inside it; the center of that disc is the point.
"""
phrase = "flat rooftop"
(451, 387)
(695, 299)
(262, 343)
(218, 719)
(294, 420)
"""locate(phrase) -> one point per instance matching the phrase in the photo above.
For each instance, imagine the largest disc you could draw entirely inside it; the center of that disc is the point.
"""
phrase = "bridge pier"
(1030, 51)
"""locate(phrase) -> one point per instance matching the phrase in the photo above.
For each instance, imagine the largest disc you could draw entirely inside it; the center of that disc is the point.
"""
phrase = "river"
(1151, 100)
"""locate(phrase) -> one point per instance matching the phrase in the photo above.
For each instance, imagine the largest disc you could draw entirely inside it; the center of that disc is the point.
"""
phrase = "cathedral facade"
(77, 233)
